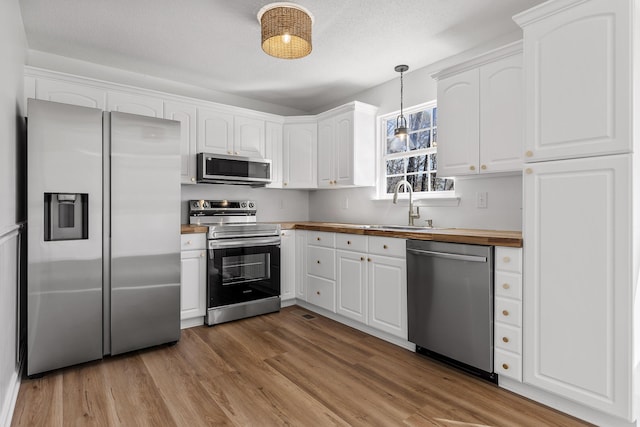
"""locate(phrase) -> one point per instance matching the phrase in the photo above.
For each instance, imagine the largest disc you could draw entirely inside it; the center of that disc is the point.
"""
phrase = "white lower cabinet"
(193, 279)
(287, 265)
(348, 275)
(508, 313)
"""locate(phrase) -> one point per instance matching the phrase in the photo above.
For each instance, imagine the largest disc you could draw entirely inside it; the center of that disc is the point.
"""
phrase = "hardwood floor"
(278, 369)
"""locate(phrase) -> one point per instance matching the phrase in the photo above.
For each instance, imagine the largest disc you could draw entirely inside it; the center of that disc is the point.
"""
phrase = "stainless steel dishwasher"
(450, 304)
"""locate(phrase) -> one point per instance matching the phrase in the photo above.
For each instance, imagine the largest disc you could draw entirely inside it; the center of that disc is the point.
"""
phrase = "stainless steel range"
(243, 265)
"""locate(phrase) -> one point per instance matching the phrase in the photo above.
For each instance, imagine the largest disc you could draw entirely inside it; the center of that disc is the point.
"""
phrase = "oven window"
(245, 268)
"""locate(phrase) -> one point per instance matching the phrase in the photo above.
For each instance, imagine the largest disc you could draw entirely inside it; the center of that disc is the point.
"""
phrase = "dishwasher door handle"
(457, 257)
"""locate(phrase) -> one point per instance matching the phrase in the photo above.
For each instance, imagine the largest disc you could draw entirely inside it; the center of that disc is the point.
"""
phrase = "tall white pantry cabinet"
(581, 317)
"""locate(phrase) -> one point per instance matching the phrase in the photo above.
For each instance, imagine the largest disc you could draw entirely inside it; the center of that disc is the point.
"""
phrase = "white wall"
(273, 204)
(12, 52)
(504, 209)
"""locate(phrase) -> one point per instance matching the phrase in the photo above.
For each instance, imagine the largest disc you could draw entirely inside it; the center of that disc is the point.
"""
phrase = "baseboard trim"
(9, 404)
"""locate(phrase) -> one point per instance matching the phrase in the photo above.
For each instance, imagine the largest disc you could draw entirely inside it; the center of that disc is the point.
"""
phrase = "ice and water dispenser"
(66, 216)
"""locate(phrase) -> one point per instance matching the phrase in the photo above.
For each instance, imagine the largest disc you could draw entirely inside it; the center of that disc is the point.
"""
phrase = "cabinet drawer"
(508, 337)
(389, 246)
(351, 242)
(508, 285)
(321, 238)
(507, 364)
(508, 259)
(193, 241)
(321, 292)
(321, 262)
(508, 311)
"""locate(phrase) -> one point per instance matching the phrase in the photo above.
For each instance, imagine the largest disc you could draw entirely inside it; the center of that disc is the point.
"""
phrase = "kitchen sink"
(411, 228)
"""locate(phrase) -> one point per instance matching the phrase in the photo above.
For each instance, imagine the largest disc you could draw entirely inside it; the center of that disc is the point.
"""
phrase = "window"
(414, 157)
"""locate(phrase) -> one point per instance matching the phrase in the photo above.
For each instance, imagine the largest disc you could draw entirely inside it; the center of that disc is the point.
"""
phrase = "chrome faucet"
(412, 215)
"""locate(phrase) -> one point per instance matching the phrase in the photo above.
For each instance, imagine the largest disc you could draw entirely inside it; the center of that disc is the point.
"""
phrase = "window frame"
(382, 157)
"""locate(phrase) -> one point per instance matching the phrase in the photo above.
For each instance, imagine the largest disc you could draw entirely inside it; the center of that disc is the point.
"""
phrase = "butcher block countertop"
(192, 228)
(451, 235)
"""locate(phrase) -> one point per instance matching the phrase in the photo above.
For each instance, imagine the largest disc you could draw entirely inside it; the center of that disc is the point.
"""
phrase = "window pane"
(396, 145)
(395, 167)
(392, 182)
(435, 137)
(419, 182)
(419, 140)
(391, 125)
(420, 120)
(417, 164)
(441, 184)
(433, 162)
(435, 116)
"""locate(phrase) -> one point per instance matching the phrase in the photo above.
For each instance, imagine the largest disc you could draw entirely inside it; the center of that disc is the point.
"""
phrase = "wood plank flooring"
(278, 369)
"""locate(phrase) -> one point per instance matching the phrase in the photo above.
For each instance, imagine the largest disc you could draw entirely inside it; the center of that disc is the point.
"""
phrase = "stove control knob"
(251, 205)
(243, 205)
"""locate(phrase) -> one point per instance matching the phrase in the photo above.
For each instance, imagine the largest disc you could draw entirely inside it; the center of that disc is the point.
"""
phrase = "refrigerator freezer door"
(64, 287)
(145, 232)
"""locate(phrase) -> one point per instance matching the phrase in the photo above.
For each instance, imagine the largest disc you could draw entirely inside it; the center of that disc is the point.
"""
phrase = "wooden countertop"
(190, 229)
(451, 235)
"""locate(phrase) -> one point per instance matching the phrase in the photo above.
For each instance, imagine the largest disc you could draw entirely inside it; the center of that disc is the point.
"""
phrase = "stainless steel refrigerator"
(103, 197)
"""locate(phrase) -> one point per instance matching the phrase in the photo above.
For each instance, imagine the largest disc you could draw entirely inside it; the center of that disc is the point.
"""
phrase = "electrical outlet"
(481, 200)
(345, 203)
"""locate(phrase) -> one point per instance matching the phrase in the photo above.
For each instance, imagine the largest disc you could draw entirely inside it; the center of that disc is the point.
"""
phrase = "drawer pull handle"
(317, 292)
(506, 260)
(188, 242)
(384, 246)
(369, 259)
(284, 183)
(505, 339)
(505, 366)
(348, 242)
(318, 261)
(472, 168)
(505, 286)
(529, 153)
(361, 258)
(483, 167)
(318, 239)
(504, 312)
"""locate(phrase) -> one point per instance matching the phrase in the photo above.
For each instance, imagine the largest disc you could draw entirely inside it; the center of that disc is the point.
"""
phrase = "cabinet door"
(577, 87)
(578, 287)
(288, 269)
(69, 93)
(352, 285)
(215, 132)
(134, 104)
(388, 294)
(300, 155)
(343, 149)
(458, 124)
(301, 270)
(249, 137)
(273, 146)
(193, 277)
(501, 115)
(186, 115)
(326, 140)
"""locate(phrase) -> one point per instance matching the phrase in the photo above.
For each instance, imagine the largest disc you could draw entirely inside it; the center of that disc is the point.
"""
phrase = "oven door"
(242, 270)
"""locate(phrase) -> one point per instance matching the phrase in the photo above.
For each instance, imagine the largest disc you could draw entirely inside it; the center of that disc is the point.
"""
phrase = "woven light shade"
(286, 30)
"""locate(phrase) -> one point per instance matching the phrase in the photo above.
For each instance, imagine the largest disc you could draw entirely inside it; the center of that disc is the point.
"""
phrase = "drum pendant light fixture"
(286, 30)
(401, 123)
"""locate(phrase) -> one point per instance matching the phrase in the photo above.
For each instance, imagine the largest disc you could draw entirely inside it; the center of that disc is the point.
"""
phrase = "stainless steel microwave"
(223, 169)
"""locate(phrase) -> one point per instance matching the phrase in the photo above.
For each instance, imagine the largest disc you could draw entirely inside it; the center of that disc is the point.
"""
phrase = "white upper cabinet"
(480, 104)
(578, 82)
(578, 303)
(346, 146)
(133, 103)
(68, 93)
(215, 132)
(300, 142)
(186, 115)
(273, 151)
(249, 137)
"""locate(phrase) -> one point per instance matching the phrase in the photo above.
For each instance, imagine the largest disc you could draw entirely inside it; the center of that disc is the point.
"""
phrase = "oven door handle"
(244, 243)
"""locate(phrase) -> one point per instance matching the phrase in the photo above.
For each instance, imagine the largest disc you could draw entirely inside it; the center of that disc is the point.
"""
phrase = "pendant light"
(401, 123)
(286, 30)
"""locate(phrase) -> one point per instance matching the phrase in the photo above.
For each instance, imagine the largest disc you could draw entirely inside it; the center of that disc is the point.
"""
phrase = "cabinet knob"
(505, 312)
(505, 339)
(529, 153)
(384, 246)
(284, 183)
(188, 242)
(318, 261)
(201, 254)
(236, 153)
(193, 179)
(528, 171)
(348, 242)
(506, 260)
(505, 286)
(317, 238)
(369, 259)
(229, 152)
(282, 234)
(505, 366)
(361, 258)
(472, 168)
(483, 167)
(317, 292)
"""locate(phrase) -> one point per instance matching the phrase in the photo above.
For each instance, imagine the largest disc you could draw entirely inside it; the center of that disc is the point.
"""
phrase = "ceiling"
(215, 44)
